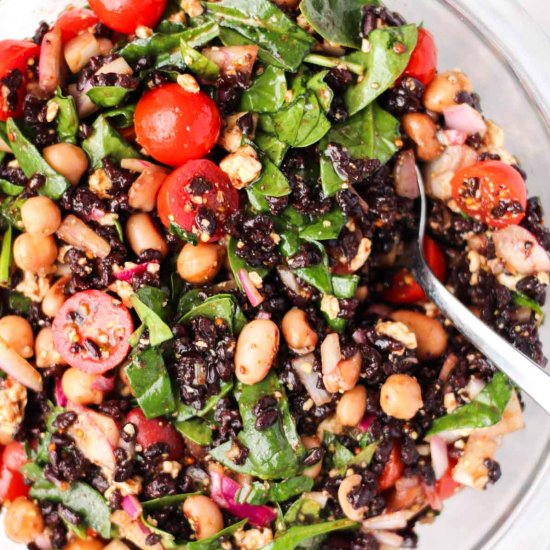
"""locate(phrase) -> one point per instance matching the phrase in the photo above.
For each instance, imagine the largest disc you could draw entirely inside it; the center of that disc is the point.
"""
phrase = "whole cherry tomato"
(174, 125)
(91, 331)
(198, 197)
(127, 15)
(73, 21)
(423, 62)
(492, 192)
(393, 469)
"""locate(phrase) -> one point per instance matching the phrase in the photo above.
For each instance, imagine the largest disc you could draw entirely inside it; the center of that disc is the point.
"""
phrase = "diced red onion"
(129, 273)
(331, 355)
(310, 379)
(76, 233)
(406, 183)
(142, 195)
(389, 538)
(18, 368)
(50, 65)
(521, 251)
(395, 520)
(80, 49)
(252, 293)
(117, 66)
(359, 336)
(440, 456)
(84, 105)
(60, 396)
(448, 365)
(451, 137)
(233, 59)
(103, 383)
(289, 279)
(465, 118)
(263, 315)
(137, 165)
(132, 506)
(43, 541)
(367, 422)
(133, 530)
(223, 491)
(473, 387)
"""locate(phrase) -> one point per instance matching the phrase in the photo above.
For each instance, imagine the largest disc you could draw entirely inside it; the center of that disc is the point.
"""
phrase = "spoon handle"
(522, 370)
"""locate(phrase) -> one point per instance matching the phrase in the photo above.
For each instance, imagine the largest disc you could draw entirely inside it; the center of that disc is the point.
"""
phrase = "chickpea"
(297, 332)
(41, 215)
(443, 89)
(44, 350)
(401, 396)
(55, 297)
(17, 333)
(144, 235)
(351, 407)
(200, 264)
(23, 521)
(87, 544)
(35, 253)
(431, 336)
(67, 159)
(312, 442)
(204, 515)
(77, 386)
(347, 485)
(345, 376)
(257, 347)
(423, 131)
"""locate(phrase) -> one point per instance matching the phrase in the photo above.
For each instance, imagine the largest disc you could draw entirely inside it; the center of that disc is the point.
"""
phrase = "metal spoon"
(522, 370)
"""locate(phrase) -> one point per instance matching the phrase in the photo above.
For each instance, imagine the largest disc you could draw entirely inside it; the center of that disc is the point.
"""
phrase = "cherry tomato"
(127, 15)
(14, 456)
(15, 54)
(151, 431)
(404, 289)
(393, 469)
(12, 485)
(196, 188)
(492, 192)
(447, 487)
(91, 331)
(174, 125)
(73, 21)
(423, 62)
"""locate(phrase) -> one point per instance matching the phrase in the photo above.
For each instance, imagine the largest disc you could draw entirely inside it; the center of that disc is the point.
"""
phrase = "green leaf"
(164, 502)
(274, 148)
(5, 257)
(236, 263)
(80, 498)
(331, 182)
(317, 275)
(10, 189)
(196, 430)
(184, 412)
(322, 90)
(183, 234)
(338, 21)
(388, 56)
(343, 458)
(266, 93)
(198, 63)
(122, 117)
(189, 300)
(304, 510)
(67, 117)
(281, 41)
(290, 488)
(213, 542)
(314, 124)
(324, 227)
(220, 306)
(150, 383)
(345, 285)
(107, 96)
(284, 123)
(19, 303)
(522, 300)
(272, 182)
(32, 162)
(159, 331)
(10, 211)
(485, 410)
(292, 538)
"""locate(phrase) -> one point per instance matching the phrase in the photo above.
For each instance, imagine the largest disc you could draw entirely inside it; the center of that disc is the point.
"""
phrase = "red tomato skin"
(151, 431)
(15, 54)
(73, 21)
(174, 125)
(423, 62)
(174, 202)
(404, 289)
(393, 470)
(446, 487)
(14, 456)
(497, 180)
(12, 485)
(126, 16)
(102, 312)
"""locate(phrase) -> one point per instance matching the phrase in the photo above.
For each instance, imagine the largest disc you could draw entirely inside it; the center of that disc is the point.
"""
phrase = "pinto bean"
(443, 89)
(401, 396)
(204, 515)
(351, 407)
(423, 131)
(297, 332)
(200, 264)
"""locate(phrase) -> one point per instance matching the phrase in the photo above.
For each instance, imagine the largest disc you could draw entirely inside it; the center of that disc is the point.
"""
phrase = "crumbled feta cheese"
(253, 539)
(242, 167)
(232, 136)
(144, 32)
(398, 331)
(188, 83)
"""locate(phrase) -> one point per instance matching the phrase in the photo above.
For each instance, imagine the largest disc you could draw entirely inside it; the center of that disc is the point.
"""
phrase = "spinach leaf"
(306, 509)
(188, 301)
(10, 212)
(197, 430)
(344, 458)
(185, 412)
(10, 189)
(285, 123)
(281, 41)
(388, 56)
(32, 162)
(257, 201)
(236, 263)
(277, 450)
(321, 89)
(67, 117)
(213, 542)
(317, 275)
(220, 306)
(331, 182)
(107, 96)
(272, 182)
(485, 410)
(80, 498)
(183, 234)
(19, 303)
(333, 62)
(345, 285)
(522, 300)
(267, 92)
(338, 21)
(164, 502)
(198, 63)
(121, 117)
(314, 124)
(151, 313)
(290, 488)
(274, 148)
(150, 383)
(324, 227)
(5, 257)
(292, 538)
(105, 142)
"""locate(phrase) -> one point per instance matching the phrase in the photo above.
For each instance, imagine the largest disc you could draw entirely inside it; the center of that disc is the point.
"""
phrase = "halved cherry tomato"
(196, 189)
(393, 469)
(423, 62)
(14, 456)
(73, 21)
(91, 331)
(15, 54)
(12, 483)
(127, 15)
(151, 431)
(404, 289)
(174, 125)
(446, 486)
(491, 191)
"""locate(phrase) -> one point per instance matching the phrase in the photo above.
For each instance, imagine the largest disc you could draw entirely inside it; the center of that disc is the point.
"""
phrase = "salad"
(209, 337)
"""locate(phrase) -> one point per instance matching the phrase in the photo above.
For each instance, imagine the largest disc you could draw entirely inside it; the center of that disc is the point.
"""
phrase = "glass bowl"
(498, 46)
